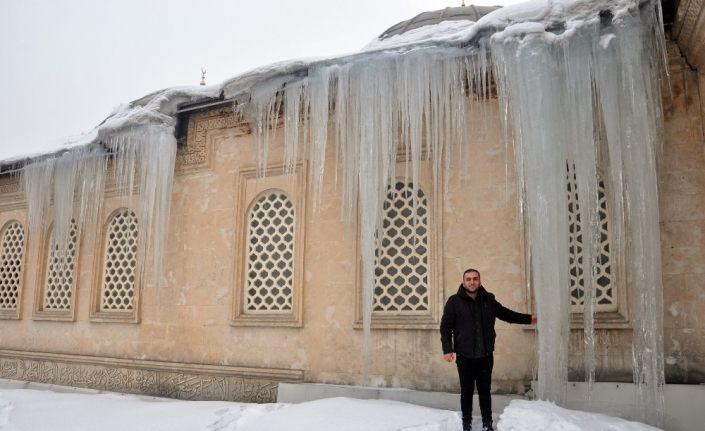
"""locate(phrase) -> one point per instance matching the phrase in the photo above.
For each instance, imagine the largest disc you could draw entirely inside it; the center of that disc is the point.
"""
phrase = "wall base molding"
(155, 378)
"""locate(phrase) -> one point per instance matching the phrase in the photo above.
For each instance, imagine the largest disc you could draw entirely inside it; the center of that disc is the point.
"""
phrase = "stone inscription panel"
(155, 382)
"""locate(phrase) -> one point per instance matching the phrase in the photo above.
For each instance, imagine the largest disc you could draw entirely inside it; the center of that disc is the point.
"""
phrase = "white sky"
(65, 64)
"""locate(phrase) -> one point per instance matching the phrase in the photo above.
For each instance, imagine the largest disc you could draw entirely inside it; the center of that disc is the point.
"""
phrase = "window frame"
(15, 313)
(615, 315)
(413, 320)
(40, 313)
(97, 314)
(250, 186)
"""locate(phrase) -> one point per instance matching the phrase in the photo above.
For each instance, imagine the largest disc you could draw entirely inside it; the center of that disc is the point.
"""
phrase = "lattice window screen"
(120, 262)
(11, 265)
(605, 295)
(401, 261)
(270, 254)
(60, 272)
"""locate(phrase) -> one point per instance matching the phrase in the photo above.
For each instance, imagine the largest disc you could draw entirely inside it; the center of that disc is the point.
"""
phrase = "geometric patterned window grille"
(120, 262)
(605, 295)
(11, 265)
(401, 261)
(60, 272)
(270, 254)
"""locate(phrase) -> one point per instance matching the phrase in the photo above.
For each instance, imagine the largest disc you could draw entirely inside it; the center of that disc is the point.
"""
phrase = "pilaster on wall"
(164, 379)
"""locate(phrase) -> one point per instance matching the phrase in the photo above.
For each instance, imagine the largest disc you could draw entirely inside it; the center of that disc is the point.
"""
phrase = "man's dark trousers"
(475, 371)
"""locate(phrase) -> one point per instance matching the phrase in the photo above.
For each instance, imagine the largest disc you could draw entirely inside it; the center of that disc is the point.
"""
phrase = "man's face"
(471, 281)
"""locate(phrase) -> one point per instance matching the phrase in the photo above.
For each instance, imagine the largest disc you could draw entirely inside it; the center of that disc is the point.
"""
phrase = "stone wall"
(682, 206)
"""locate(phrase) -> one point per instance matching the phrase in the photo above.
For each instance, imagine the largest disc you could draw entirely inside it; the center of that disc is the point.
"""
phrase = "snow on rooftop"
(534, 16)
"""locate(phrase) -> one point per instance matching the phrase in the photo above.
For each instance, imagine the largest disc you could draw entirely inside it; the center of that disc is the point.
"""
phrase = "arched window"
(60, 265)
(11, 255)
(605, 295)
(270, 254)
(120, 262)
(402, 259)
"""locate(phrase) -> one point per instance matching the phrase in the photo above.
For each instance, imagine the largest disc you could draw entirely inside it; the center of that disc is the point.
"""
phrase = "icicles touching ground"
(634, 140)
(536, 106)
(560, 95)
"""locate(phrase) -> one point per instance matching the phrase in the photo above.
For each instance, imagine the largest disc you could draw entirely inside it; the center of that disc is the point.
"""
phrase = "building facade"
(262, 277)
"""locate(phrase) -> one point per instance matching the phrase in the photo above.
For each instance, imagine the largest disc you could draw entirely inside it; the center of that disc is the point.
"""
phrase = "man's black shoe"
(467, 426)
(487, 425)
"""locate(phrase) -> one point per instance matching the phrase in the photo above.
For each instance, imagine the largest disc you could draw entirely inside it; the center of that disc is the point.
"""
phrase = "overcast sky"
(65, 64)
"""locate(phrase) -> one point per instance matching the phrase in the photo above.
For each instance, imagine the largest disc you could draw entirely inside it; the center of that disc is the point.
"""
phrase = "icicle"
(37, 178)
(531, 70)
(317, 102)
(263, 113)
(91, 176)
(292, 121)
(619, 72)
(583, 147)
(145, 157)
(65, 172)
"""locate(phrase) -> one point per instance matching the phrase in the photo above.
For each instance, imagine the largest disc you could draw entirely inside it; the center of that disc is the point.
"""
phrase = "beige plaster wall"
(682, 205)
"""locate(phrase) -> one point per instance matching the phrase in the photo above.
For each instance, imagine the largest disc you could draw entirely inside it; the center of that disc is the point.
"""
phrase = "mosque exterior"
(262, 279)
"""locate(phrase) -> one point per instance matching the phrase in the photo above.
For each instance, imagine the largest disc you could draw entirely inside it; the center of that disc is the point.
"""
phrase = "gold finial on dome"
(203, 76)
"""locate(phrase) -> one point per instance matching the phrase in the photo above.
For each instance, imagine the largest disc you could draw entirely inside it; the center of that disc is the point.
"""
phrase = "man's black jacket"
(458, 321)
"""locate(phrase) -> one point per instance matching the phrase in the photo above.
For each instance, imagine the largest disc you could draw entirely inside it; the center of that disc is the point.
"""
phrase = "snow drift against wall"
(563, 70)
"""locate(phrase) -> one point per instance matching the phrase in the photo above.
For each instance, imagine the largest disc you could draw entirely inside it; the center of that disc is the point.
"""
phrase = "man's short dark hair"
(471, 270)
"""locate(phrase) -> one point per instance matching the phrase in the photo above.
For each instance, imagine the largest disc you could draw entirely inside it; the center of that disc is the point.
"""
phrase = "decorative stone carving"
(11, 192)
(197, 154)
(689, 32)
(10, 184)
(182, 381)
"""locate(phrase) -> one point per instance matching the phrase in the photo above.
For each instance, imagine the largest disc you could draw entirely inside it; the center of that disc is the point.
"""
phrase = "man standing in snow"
(468, 335)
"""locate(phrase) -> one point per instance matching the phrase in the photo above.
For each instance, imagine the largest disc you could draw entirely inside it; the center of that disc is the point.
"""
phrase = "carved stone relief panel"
(197, 154)
(182, 381)
(11, 193)
(689, 31)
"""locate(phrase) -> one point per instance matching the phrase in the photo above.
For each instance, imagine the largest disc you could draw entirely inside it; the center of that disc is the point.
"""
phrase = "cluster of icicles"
(588, 96)
(72, 185)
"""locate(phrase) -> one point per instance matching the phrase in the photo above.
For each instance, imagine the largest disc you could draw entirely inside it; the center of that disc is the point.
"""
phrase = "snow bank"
(36, 410)
(545, 416)
(32, 410)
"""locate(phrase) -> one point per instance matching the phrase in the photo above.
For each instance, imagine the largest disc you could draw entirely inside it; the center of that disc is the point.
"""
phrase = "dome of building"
(470, 13)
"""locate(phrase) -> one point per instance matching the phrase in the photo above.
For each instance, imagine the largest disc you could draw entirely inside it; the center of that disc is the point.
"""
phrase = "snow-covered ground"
(40, 410)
